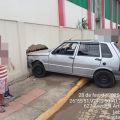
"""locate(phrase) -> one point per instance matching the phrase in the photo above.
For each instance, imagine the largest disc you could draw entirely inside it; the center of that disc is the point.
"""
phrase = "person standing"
(5, 64)
(3, 84)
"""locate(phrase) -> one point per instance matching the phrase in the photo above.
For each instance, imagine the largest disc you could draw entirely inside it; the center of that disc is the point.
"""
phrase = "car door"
(87, 59)
(109, 57)
(61, 59)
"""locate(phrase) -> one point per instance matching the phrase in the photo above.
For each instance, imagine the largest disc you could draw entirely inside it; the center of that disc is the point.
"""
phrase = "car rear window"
(88, 49)
(106, 53)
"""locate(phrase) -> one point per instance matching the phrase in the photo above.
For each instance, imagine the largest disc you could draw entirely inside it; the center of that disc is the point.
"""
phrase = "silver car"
(92, 59)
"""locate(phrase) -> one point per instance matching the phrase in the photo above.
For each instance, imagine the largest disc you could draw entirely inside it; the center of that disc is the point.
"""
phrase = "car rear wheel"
(104, 79)
(38, 70)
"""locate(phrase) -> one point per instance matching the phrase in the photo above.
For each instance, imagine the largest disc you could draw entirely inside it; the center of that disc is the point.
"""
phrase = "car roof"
(91, 41)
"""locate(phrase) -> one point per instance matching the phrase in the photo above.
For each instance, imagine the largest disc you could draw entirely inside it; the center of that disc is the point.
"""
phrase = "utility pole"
(98, 14)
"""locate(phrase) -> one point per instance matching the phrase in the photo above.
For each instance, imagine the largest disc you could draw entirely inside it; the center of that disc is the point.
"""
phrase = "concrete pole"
(98, 14)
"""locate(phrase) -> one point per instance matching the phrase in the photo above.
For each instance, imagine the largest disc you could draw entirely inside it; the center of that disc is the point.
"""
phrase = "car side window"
(106, 53)
(89, 49)
(66, 48)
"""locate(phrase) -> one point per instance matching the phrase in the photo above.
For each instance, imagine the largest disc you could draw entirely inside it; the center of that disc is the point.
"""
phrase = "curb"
(47, 114)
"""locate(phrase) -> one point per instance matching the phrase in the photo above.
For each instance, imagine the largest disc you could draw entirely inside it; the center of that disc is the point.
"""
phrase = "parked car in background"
(92, 59)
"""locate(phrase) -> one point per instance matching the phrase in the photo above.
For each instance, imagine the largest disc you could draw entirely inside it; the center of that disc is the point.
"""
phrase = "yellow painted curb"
(62, 101)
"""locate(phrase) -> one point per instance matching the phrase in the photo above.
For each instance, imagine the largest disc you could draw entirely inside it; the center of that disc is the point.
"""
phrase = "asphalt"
(28, 105)
(92, 103)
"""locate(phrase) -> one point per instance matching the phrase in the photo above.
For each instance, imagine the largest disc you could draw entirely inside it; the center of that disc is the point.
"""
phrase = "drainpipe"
(61, 12)
(89, 15)
(98, 15)
(103, 14)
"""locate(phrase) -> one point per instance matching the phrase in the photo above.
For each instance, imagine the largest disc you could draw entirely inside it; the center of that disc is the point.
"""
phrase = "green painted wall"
(114, 11)
(119, 13)
(82, 3)
(107, 9)
(94, 6)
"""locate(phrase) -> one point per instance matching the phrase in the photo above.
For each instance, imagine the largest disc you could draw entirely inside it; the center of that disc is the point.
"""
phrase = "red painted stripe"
(116, 14)
(2, 69)
(61, 12)
(103, 14)
(111, 27)
(89, 15)
(3, 76)
(3, 73)
(2, 66)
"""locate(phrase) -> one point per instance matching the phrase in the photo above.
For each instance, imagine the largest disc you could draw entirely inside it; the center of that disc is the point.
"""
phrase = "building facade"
(27, 22)
(49, 22)
(100, 14)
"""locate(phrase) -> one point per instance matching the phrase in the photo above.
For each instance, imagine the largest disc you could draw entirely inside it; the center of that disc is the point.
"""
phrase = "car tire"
(38, 70)
(104, 79)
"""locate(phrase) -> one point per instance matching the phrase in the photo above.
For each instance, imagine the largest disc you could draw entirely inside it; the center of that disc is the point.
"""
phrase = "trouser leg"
(1, 103)
(1, 99)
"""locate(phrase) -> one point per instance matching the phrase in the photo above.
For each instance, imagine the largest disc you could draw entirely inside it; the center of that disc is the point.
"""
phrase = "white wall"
(33, 11)
(93, 21)
(36, 34)
(27, 22)
(107, 24)
(73, 14)
(114, 25)
(20, 36)
(75, 34)
(9, 34)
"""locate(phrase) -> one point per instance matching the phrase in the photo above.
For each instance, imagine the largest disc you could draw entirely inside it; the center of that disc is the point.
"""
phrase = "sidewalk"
(33, 96)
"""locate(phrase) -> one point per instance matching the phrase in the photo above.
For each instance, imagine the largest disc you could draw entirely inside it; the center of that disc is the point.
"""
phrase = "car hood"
(40, 52)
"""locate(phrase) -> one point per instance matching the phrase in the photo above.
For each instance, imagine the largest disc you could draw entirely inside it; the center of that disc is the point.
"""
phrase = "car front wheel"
(104, 79)
(38, 70)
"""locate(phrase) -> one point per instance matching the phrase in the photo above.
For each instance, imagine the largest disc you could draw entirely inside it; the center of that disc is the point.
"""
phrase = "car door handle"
(71, 57)
(98, 59)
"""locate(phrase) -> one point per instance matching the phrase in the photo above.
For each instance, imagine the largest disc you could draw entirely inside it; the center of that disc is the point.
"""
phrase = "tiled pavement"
(33, 96)
(20, 102)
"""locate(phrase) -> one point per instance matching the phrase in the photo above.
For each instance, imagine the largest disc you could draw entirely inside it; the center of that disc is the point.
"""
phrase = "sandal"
(2, 109)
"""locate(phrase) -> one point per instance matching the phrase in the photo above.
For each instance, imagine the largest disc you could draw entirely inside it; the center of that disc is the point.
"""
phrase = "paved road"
(92, 103)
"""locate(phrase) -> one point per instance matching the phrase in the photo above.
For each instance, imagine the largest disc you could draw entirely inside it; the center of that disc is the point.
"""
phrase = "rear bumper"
(117, 75)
